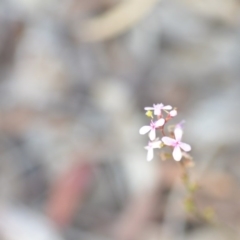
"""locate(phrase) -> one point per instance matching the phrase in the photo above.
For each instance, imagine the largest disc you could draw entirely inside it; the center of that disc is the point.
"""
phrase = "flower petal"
(169, 141)
(144, 130)
(156, 144)
(152, 134)
(173, 113)
(150, 154)
(177, 154)
(158, 106)
(181, 124)
(148, 108)
(168, 107)
(159, 122)
(157, 112)
(184, 146)
(178, 133)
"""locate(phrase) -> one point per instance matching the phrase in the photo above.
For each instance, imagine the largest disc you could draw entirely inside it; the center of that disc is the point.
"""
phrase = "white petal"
(173, 113)
(150, 154)
(157, 108)
(169, 141)
(159, 122)
(148, 108)
(152, 134)
(184, 146)
(156, 144)
(178, 133)
(177, 154)
(158, 105)
(168, 107)
(144, 130)
(157, 112)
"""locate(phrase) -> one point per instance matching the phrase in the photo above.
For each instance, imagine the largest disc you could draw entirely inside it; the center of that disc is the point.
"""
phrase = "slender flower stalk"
(173, 139)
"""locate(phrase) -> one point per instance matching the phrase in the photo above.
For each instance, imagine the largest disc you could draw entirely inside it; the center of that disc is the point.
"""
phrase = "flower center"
(152, 125)
(176, 144)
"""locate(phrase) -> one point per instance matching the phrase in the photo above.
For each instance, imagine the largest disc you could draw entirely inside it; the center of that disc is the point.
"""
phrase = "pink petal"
(168, 107)
(180, 124)
(159, 122)
(144, 130)
(177, 154)
(152, 134)
(157, 109)
(158, 106)
(150, 154)
(169, 141)
(178, 133)
(184, 146)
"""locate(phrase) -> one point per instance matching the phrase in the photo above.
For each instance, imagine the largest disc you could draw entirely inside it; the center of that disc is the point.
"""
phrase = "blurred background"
(75, 76)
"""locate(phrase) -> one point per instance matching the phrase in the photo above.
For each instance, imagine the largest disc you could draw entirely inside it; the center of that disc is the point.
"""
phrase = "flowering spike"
(160, 114)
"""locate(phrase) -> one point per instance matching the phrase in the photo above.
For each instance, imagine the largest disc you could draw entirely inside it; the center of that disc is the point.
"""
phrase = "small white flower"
(152, 128)
(150, 147)
(157, 108)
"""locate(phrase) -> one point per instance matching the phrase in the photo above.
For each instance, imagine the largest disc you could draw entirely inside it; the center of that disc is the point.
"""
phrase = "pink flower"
(152, 128)
(157, 108)
(150, 147)
(177, 144)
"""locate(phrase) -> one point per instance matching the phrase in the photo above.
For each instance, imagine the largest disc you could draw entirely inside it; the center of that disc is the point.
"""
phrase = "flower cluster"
(163, 114)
